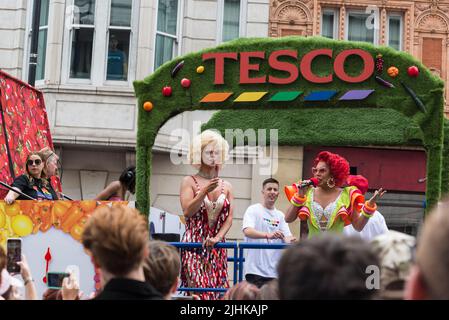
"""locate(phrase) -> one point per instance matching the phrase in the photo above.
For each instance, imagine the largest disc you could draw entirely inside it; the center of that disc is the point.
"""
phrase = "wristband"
(297, 200)
(366, 215)
(368, 209)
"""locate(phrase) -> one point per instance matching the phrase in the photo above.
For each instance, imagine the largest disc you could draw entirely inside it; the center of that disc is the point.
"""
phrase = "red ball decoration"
(185, 83)
(413, 71)
(166, 91)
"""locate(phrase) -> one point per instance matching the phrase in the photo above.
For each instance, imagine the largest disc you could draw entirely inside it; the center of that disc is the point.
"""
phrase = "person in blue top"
(117, 64)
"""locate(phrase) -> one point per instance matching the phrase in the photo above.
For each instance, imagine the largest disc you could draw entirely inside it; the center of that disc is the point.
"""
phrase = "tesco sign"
(305, 66)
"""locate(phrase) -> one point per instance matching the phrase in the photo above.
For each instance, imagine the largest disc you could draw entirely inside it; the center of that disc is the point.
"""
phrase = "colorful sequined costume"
(201, 267)
(335, 216)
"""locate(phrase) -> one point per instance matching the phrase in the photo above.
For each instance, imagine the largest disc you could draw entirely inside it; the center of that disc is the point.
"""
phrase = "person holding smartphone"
(207, 203)
(33, 183)
(9, 285)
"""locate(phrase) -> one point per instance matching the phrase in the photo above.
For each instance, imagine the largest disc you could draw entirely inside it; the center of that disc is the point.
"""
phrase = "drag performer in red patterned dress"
(206, 201)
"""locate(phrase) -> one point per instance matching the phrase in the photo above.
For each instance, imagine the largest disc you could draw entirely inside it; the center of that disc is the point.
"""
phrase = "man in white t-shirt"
(263, 223)
(376, 225)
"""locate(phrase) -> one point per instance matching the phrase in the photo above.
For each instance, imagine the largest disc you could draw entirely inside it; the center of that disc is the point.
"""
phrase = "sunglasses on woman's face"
(36, 162)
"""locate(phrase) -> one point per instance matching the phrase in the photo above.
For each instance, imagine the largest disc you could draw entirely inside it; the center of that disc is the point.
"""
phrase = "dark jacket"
(128, 289)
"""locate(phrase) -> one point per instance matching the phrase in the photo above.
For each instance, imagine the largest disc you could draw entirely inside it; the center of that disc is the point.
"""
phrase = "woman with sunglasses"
(33, 183)
(329, 206)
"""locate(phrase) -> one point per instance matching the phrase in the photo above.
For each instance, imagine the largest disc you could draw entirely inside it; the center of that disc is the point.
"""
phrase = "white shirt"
(375, 226)
(263, 262)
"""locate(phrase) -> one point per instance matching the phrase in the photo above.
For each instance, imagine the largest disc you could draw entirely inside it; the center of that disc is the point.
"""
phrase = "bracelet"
(297, 200)
(368, 208)
(28, 280)
(366, 215)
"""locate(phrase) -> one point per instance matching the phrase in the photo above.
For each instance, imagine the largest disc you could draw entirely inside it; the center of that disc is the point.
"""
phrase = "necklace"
(204, 176)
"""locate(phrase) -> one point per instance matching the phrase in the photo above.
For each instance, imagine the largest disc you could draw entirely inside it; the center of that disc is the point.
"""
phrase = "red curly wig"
(358, 181)
(338, 166)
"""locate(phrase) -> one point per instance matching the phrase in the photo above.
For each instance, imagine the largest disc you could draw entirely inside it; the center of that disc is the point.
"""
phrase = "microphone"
(306, 183)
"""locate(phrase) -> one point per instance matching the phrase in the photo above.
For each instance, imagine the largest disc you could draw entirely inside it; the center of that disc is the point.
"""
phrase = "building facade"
(420, 28)
(90, 52)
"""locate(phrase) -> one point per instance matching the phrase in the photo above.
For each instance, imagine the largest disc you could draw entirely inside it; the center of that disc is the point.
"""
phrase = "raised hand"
(377, 195)
(211, 185)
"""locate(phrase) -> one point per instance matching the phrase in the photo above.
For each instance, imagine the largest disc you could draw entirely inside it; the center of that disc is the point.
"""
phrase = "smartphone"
(54, 279)
(14, 254)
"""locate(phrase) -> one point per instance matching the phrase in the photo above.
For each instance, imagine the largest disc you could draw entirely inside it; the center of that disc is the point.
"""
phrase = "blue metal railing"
(237, 259)
(220, 245)
(246, 245)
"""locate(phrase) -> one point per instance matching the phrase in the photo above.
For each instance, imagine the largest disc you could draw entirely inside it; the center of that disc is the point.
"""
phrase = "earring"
(330, 182)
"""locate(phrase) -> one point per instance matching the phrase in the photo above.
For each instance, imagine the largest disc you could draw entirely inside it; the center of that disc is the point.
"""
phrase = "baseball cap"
(395, 251)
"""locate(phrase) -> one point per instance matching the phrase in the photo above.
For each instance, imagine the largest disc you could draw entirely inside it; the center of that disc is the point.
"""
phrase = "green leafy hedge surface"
(388, 116)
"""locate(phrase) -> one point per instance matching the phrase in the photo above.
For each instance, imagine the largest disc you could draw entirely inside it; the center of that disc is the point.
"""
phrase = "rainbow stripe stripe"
(287, 96)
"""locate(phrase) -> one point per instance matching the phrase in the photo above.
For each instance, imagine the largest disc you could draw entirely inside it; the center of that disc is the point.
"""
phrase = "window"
(395, 31)
(230, 19)
(82, 39)
(42, 42)
(118, 41)
(100, 46)
(166, 33)
(329, 24)
(361, 27)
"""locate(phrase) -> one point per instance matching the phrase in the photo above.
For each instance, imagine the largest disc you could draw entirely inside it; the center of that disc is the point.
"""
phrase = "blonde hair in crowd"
(201, 141)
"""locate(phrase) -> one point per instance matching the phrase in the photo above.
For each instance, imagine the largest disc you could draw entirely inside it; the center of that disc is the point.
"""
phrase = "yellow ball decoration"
(200, 69)
(393, 72)
(148, 106)
(22, 225)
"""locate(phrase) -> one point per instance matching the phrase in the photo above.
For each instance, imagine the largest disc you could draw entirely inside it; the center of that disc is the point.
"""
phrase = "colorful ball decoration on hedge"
(167, 91)
(379, 63)
(148, 106)
(393, 72)
(185, 83)
(200, 69)
(413, 71)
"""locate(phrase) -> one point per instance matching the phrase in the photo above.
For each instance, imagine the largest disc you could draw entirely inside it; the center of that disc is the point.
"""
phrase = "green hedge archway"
(382, 113)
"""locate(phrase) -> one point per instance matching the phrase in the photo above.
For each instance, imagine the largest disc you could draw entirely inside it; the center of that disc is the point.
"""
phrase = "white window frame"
(242, 19)
(131, 58)
(177, 49)
(27, 40)
(100, 47)
(336, 14)
(67, 47)
(395, 15)
(359, 11)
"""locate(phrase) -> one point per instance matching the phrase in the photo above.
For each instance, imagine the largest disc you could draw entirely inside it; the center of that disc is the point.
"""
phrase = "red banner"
(23, 126)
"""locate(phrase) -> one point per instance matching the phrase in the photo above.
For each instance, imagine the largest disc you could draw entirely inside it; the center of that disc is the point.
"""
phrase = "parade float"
(314, 90)
(50, 230)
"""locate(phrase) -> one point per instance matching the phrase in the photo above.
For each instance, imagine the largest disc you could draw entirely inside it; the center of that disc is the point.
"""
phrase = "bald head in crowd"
(429, 277)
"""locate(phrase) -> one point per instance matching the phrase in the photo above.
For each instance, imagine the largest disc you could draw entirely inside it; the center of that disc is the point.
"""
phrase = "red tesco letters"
(291, 69)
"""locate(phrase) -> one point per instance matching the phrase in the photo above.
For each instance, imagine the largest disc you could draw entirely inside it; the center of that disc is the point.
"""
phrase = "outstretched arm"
(109, 191)
(359, 221)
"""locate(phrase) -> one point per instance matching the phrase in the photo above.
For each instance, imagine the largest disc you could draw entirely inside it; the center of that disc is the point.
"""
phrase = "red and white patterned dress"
(201, 267)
